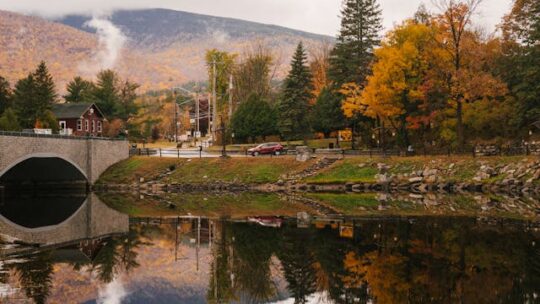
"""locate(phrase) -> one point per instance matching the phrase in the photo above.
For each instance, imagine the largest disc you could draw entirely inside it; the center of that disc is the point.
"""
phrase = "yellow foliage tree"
(396, 90)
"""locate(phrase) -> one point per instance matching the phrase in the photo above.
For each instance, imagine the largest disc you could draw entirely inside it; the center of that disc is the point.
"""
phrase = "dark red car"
(268, 148)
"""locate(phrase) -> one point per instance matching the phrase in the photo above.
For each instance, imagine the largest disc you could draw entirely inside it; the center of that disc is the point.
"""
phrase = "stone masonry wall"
(91, 156)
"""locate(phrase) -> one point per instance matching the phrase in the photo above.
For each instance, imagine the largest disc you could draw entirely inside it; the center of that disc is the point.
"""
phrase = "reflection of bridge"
(48, 158)
(92, 220)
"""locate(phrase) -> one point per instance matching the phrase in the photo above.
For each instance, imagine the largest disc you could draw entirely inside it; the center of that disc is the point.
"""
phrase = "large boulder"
(303, 153)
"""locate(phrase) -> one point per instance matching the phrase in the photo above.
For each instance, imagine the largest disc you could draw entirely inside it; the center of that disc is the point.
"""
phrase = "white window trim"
(79, 124)
(99, 127)
(62, 124)
(86, 125)
(93, 126)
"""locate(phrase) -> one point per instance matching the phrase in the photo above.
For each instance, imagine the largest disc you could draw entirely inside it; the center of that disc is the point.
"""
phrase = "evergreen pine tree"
(34, 96)
(293, 107)
(327, 115)
(26, 101)
(80, 90)
(127, 96)
(107, 93)
(521, 67)
(5, 95)
(9, 121)
(45, 88)
(254, 118)
(351, 58)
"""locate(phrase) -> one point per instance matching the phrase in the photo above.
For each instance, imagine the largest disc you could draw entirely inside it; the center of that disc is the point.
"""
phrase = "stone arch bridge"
(55, 158)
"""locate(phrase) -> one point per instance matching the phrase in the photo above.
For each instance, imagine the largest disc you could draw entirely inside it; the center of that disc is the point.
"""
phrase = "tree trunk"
(459, 125)
(353, 143)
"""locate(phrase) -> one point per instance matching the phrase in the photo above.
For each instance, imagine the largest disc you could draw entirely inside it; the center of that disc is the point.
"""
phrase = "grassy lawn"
(345, 171)
(206, 170)
(347, 203)
(158, 144)
(270, 170)
(130, 170)
(222, 205)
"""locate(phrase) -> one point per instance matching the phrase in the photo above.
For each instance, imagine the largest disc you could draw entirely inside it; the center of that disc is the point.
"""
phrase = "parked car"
(267, 148)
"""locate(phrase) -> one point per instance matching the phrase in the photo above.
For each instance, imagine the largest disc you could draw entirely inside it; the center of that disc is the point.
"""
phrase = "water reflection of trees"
(108, 257)
(35, 276)
(298, 261)
(241, 265)
(390, 261)
(118, 254)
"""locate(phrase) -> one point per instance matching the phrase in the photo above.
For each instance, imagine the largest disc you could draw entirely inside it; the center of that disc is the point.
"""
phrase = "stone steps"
(312, 170)
(320, 208)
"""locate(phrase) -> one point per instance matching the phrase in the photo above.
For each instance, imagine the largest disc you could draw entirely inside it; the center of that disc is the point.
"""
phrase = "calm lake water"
(75, 249)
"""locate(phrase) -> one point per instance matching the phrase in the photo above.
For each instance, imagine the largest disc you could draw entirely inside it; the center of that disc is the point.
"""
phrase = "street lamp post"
(214, 99)
(175, 118)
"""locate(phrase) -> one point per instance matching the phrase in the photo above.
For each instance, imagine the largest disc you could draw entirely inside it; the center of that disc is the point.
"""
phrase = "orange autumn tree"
(416, 89)
(396, 93)
(469, 75)
(319, 64)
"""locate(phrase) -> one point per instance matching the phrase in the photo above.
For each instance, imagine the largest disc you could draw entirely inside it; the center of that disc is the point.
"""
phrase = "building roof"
(73, 110)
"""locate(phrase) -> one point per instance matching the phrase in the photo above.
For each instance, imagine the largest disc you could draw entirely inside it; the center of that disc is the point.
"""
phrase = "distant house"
(79, 119)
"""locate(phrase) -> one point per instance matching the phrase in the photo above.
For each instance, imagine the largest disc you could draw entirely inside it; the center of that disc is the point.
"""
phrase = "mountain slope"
(164, 48)
(26, 40)
(162, 27)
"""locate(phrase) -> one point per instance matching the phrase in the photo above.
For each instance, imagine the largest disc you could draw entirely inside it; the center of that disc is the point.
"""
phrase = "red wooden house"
(79, 119)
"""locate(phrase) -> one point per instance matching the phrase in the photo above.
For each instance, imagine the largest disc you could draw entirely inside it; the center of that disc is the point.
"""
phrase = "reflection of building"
(194, 230)
(346, 230)
(344, 227)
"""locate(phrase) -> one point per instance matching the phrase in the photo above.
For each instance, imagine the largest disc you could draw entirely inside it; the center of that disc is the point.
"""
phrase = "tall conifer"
(293, 107)
(5, 95)
(34, 96)
(352, 56)
(45, 88)
(79, 90)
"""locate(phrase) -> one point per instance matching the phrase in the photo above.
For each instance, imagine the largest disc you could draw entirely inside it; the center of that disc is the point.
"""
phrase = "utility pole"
(175, 118)
(230, 96)
(197, 117)
(214, 100)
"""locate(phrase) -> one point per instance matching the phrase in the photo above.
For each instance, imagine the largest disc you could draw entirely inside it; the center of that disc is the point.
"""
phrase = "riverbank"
(355, 174)
(251, 204)
(201, 171)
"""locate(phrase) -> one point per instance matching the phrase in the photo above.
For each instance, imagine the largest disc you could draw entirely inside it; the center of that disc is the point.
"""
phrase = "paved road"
(194, 153)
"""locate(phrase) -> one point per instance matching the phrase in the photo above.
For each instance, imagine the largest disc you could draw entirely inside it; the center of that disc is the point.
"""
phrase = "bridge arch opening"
(46, 211)
(42, 169)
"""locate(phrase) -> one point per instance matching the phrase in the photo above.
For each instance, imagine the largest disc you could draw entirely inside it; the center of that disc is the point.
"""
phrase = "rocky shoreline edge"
(514, 187)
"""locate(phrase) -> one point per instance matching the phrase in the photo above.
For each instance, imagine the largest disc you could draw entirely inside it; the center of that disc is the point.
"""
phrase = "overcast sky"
(318, 16)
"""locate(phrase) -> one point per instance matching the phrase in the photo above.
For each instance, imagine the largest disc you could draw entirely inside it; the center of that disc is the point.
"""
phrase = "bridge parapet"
(90, 155)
